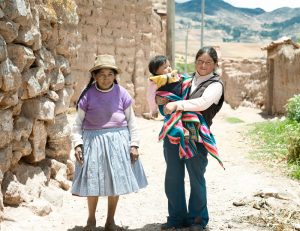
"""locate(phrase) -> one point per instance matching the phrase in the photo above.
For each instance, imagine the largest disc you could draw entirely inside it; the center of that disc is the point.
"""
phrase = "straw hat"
(105, 61)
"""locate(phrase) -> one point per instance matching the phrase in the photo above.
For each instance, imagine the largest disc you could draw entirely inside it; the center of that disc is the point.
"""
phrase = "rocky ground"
(248, 195)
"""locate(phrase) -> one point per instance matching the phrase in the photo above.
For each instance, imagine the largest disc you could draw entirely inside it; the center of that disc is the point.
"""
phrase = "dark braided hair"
(92, 80)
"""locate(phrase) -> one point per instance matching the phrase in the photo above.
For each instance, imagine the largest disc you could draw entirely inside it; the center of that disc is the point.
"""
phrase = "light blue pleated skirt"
(107, 168)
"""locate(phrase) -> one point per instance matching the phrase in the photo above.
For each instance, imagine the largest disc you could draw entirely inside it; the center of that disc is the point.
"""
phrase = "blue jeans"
(197, 211)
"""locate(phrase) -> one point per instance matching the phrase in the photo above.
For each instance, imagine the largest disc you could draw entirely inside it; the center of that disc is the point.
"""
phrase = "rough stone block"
(3, 49)
(10, 77)
(21, 56)
(5, 157)
(6, 127)
(57, 81)
(15, 9)
(34, 82)
(63, 103)
(8, 99)
(38, 139)
(9, 30)
(39, 108)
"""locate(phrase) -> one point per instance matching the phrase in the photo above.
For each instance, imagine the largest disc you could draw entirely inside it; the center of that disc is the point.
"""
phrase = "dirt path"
(277, 208)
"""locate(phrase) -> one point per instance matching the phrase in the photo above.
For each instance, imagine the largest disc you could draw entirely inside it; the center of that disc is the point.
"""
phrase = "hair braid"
(84, 91)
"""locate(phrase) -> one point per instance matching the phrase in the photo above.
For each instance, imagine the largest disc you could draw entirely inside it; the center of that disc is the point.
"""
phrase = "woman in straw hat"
(106, 141)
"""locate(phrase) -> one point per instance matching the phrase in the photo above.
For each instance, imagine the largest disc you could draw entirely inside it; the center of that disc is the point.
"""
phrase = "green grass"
(234, 120)
(269, 138)
(181, 67)
(294, 171)
(270, 144)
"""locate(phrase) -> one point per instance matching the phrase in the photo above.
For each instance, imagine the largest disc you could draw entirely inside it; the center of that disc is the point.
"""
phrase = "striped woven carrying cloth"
(186, 128)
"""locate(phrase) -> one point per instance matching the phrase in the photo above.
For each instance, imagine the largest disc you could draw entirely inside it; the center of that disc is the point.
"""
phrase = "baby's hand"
(174, 73)
(172, 77)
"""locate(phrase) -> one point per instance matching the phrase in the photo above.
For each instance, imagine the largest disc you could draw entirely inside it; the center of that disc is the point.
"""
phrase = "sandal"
(113, 227)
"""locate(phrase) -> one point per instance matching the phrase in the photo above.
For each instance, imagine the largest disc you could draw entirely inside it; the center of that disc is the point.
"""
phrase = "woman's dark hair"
(156, 62)
(210, 51)
(92, 79)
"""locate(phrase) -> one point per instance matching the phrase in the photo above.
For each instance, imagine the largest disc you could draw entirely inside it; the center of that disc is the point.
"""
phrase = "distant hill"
(226, 23)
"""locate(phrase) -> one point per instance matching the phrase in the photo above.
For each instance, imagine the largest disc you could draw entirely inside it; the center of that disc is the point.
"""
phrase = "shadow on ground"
(148, 227)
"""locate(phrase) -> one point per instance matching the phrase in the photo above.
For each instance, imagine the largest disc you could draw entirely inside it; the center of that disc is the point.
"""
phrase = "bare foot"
(154, 115)
(147, 115)
(113, 227)
(90, 224)
(89, 228)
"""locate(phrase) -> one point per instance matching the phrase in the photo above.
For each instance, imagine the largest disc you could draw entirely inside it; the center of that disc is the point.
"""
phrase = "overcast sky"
(267, 5)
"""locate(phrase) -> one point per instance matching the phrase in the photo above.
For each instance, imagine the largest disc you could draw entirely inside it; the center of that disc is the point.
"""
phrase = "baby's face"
(164, 69)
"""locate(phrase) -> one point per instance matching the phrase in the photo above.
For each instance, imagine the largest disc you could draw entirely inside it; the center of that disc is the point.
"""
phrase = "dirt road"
(231, 193)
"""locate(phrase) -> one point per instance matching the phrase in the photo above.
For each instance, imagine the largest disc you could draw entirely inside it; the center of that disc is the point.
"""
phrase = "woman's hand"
(79, 153)
(160, 100)
(134, 154)
(170, 107)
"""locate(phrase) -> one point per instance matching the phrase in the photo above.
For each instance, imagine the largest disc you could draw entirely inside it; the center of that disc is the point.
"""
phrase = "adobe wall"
(245, 82)
(132, 32)
(285, 78)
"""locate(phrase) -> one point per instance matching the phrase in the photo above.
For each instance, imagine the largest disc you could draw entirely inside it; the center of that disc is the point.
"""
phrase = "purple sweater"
(105, 109)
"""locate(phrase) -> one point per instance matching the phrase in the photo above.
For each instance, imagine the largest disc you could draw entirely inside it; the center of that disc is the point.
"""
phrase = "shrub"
(293, 108)
(293, 143)
(293, 135)
(279, 139)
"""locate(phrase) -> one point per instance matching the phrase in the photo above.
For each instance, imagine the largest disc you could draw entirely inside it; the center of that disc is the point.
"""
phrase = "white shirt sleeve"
(211, 95)
(76, 132)
(132, 126)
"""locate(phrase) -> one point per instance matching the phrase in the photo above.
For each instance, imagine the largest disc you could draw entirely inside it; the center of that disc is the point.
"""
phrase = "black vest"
(210, 112)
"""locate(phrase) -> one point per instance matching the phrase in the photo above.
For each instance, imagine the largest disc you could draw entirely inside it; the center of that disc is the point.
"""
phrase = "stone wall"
(244, 82)
(46, 49)
(37, 40)
(133, 33)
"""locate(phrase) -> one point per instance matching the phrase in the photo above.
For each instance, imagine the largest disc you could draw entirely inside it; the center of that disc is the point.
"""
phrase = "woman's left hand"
(134, 154)
(170, 107)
